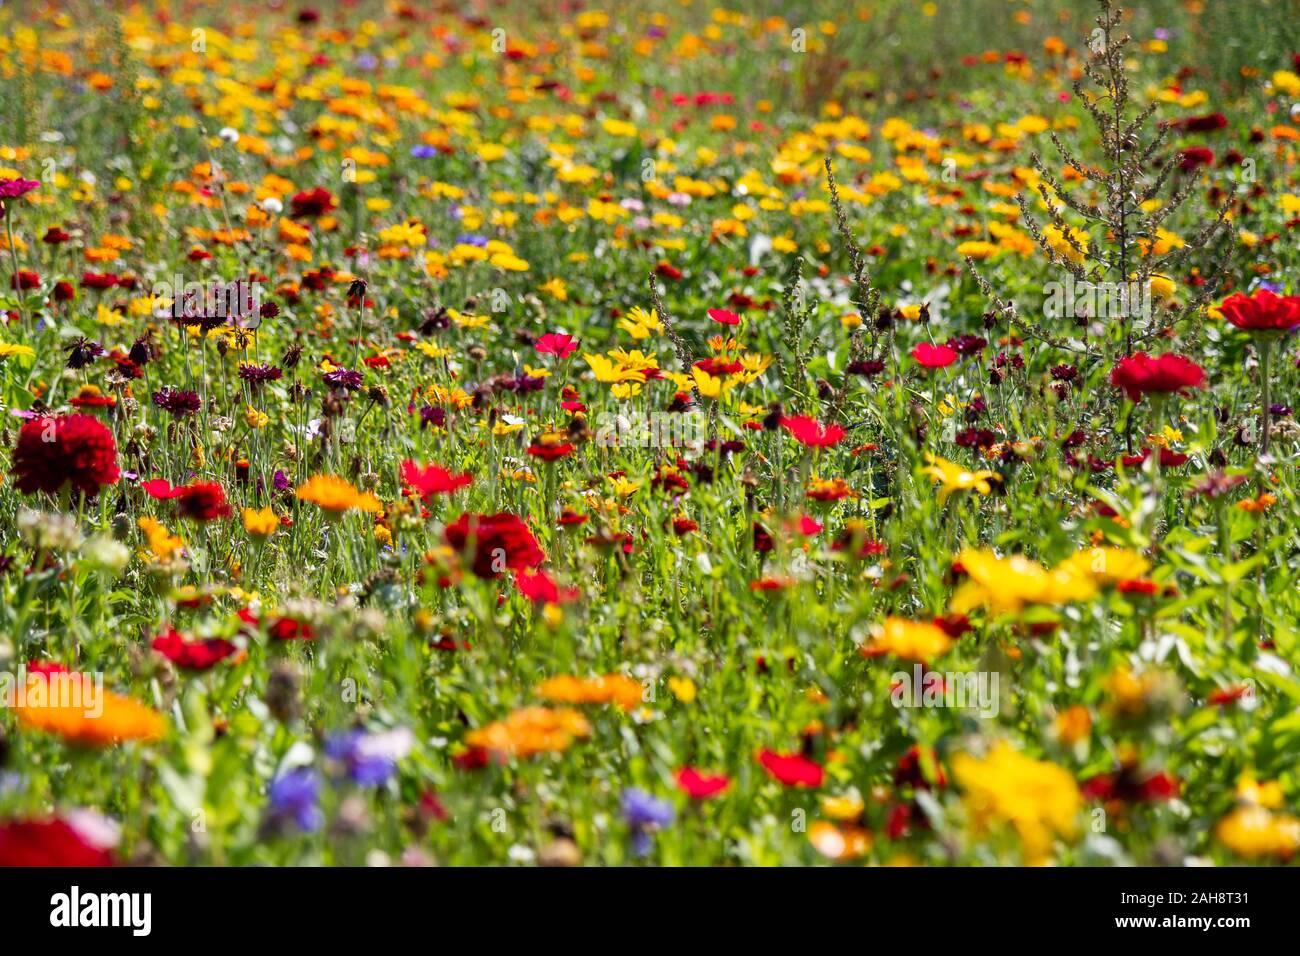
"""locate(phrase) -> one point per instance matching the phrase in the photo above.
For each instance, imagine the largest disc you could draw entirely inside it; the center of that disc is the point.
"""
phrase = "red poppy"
(793, 770)
(934, 356)
(432, 480)
(499, 542)
(723, 316)
(1262, 311)
(808, 431)
(556, 343)
(50, 842)
(1130, 786)
(541, 589)
(683, 526)
(699, 786)
(192, 655)
(1143, 375)
(72, 449)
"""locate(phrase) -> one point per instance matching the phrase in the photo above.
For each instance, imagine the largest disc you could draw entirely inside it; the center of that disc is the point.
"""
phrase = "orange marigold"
(531, 730)
(93, 717)
(609, 689)
(336, 495)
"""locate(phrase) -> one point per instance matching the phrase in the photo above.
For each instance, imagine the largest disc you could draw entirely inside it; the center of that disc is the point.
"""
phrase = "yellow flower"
(1007, 584)
(954, 477)
(909, 640)
(606, 371)
(9, 349)
(162, 543)
(335, 495)
(1107, 565)
(683, 688)
(261, 523)
(1038, 799)
(1253, 832)
(1057, 239)
(555, 288)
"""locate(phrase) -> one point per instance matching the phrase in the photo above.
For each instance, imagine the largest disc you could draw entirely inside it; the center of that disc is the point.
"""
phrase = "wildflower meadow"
(661, 434)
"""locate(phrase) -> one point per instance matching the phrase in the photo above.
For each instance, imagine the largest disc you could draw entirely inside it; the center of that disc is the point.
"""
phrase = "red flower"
(316, 202)
(75, 449)
(48, 843)
(499, 541)
(202, 501)
(24, 279)
(192, 655)
(556, 343)
(1168, 459)
(1142, 375)
(541, 589)
(550, 452)
(291, 629)
(1262, 311)
(808, 431)
(793, 770)
(1195, 156)
(97, 280)
(723, 316)
(433, 480)
(699, 786)
(934, 356)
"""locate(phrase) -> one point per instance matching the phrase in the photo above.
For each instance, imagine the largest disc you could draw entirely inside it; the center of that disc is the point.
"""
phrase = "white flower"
(104, 553)
(229, 134)
(272, 205)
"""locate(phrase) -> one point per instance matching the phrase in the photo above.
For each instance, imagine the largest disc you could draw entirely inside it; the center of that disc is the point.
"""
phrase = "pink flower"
(556, 343)
(723, 316)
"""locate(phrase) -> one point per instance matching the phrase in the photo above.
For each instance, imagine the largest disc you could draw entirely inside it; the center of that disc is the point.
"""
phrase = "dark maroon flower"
(177, 401)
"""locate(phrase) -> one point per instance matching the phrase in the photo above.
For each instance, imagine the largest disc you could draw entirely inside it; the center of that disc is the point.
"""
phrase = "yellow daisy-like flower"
(10, 349)
(954, 477)
(261, 523)
(1006, 585)
(335, 495)
(1038, 799)
(909, 640)
(1107, 566)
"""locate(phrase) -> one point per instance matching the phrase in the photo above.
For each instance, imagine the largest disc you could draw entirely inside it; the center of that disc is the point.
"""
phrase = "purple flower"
(257, 374)
(343, 378)
(644, 813)
(281, 481)
(295, 796)
(370, 759)
(13, 188)
(177, 401)
(434, 415)
(424, 151)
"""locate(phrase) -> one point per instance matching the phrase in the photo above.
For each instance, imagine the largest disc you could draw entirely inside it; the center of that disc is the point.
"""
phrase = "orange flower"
(610, 689)
(335, 495)
(531, 730)
(82, 712)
